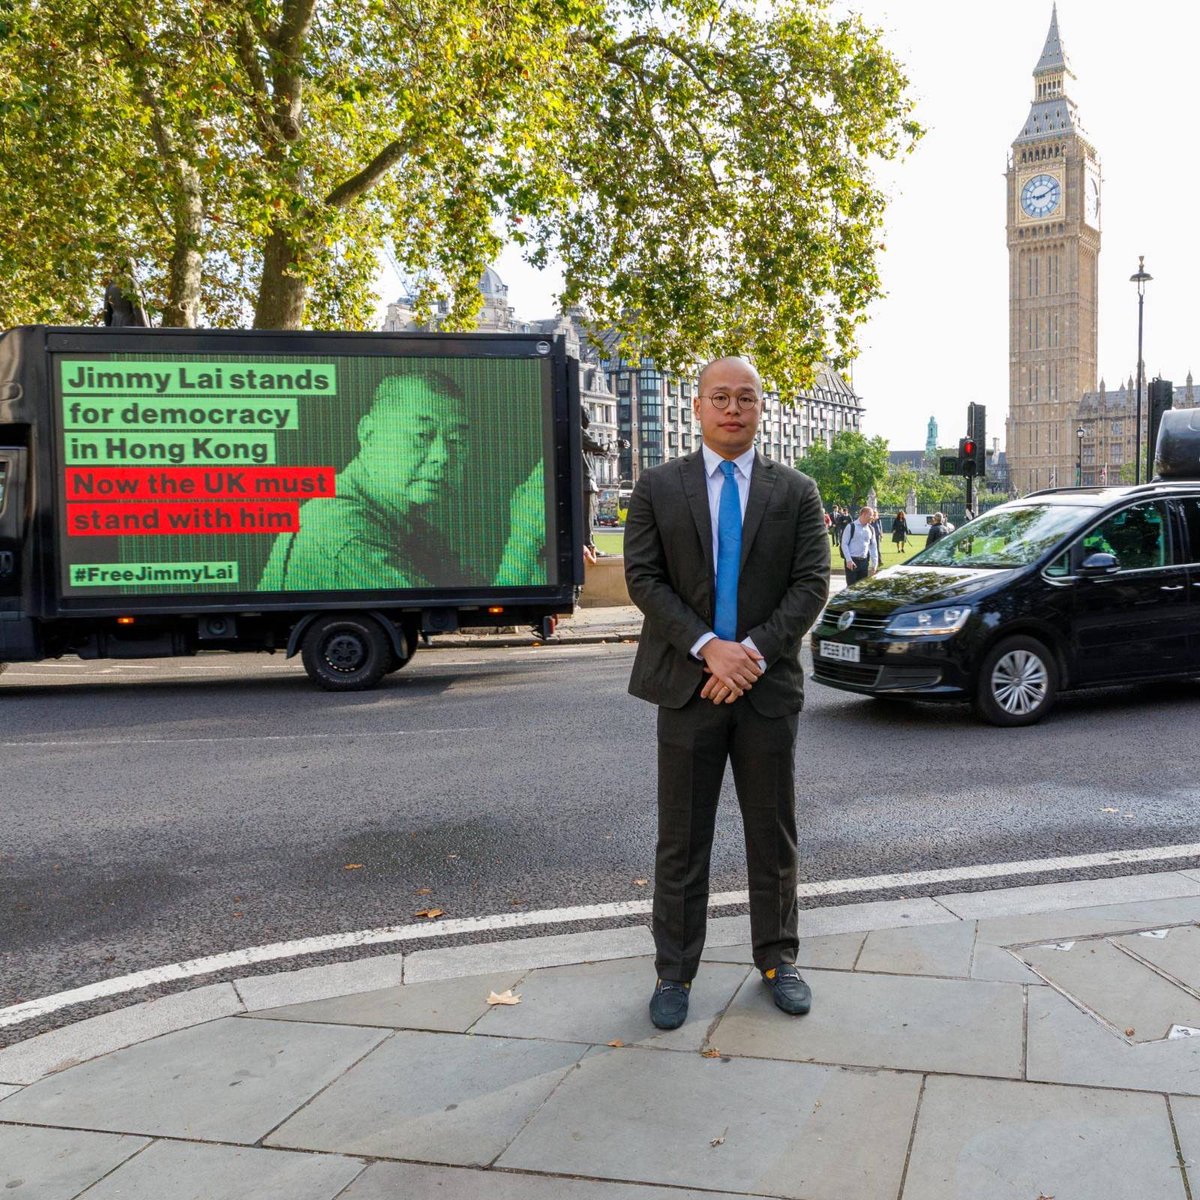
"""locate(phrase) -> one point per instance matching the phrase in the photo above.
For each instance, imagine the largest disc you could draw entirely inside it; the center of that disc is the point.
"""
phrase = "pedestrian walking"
(877, 527)
(937, 530)
(725, 554)
(900, 532)
(860, 547)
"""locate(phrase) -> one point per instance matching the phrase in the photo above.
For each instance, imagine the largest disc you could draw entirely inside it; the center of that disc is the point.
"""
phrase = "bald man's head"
(735, 361)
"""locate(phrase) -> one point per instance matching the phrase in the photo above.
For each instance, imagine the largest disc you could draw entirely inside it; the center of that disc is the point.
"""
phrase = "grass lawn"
(611, 541)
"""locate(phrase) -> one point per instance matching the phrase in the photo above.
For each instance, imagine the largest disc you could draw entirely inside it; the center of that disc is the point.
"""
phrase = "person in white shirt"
(860, 547)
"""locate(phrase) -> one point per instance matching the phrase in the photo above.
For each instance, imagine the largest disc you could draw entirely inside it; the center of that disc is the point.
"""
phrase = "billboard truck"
(338, 496)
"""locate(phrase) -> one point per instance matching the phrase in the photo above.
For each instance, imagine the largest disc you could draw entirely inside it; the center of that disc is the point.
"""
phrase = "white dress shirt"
(859, 542)
(742, 466)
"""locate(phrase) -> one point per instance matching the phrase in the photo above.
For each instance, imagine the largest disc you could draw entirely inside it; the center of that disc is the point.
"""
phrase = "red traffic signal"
(968, 447)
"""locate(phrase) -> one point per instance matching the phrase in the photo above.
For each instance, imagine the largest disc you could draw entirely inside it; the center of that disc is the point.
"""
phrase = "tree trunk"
(282, 292)
(184, 272)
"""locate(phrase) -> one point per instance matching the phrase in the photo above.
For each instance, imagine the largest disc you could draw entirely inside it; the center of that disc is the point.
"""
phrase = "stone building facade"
(1053, 227)
(1105, 454)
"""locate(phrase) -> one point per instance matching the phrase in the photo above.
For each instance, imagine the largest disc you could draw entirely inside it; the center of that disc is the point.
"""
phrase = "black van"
(1064, 589)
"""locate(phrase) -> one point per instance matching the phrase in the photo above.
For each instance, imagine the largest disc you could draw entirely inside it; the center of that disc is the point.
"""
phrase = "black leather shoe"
(788, 990)
(669, 1004)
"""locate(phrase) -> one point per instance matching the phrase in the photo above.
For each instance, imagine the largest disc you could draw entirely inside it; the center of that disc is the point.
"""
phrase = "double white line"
(233, 959)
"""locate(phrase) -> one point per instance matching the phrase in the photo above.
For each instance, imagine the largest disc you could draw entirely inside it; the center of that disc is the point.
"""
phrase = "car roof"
(1100, 497)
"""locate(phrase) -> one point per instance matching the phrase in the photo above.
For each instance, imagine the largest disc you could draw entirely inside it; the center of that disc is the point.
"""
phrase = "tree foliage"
(848, 469)
(702, 171)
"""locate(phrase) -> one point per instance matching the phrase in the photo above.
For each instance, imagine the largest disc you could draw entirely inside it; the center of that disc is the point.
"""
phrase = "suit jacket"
(782, 585)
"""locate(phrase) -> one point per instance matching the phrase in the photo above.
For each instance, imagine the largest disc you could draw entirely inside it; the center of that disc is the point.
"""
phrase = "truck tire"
(1017, 682)
(344, 652)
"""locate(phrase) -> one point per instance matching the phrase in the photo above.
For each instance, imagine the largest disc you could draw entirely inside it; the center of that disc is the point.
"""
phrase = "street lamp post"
(1141, 279)
(1079, 434)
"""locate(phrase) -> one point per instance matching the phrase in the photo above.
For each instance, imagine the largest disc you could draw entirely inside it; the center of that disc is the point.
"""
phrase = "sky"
(939, 338)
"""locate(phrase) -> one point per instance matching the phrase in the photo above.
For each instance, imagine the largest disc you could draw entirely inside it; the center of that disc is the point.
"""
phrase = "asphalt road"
(155, 812)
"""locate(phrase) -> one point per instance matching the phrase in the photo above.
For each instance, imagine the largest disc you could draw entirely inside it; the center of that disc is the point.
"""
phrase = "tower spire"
(1054, 55)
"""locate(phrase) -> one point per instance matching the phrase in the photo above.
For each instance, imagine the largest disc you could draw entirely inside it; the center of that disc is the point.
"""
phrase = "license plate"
(839, 650)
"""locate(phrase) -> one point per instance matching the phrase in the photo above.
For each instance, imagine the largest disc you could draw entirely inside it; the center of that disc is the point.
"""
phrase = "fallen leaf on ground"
(423, 892)
(617, 1043)
(430, 913)
(640, 882)
(1130, 1032)
(451, 855)
(719, 1138)
(505, 997)
(352, 867)
(711, 1052)
(1110, 810)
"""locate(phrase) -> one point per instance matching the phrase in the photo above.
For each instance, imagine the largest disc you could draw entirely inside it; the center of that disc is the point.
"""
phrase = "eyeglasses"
(745, 400)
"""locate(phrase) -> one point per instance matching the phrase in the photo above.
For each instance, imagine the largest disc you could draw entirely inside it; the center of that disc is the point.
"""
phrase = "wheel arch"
(1051, 638)
(394, 632)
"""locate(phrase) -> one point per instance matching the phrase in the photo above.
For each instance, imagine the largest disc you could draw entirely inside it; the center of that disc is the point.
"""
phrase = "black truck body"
(338, 495)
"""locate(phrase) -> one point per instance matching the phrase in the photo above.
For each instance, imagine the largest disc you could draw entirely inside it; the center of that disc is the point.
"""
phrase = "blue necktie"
(729, 556)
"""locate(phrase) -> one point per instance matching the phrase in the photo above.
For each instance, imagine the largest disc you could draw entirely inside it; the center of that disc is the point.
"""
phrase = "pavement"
(1012, 1044)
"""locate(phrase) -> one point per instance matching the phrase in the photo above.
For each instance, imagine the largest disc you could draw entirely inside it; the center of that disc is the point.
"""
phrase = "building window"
(1116, 429)
(1033, 275)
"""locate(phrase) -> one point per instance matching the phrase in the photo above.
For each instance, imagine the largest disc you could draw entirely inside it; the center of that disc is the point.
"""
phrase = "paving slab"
(1068, 1046)
(416, 1181)
(436, 1097)
(446, 1006)
(1084, 922)
(894, 1021)
(1175, 951)
(990, 1139)
(1185, 1110)
(190, 1171)
(783, 1129)
(926, 950)
(34, 1058)
(834, 952)
(1080, 893)
(524, 953)
(999, 965)
(8, 1089)
(57, 1164)
(231, 1080)
(601, 1002)
(320, 983)
(1126, 993)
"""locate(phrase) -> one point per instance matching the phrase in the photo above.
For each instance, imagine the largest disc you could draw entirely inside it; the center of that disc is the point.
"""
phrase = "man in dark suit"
(727, 557)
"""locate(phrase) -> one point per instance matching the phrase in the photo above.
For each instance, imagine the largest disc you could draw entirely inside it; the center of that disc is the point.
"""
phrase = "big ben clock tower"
(1053, 248)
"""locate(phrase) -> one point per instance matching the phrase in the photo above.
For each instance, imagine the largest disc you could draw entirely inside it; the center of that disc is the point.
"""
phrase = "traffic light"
(949, 466)
(977, 434)
(968, 456)
(1160, 396)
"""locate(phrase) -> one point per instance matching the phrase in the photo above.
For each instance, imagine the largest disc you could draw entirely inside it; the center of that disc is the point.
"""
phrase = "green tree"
(848, 468)
(703, 170)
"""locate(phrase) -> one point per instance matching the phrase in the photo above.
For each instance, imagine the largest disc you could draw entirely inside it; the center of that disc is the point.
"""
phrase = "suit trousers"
(694, 743)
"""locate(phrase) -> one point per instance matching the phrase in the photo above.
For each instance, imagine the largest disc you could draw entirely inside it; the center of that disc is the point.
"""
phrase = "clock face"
(1092, 195)
(1040, 195)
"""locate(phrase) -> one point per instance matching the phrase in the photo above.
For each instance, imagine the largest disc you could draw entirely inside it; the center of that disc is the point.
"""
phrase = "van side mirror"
(1098, 565)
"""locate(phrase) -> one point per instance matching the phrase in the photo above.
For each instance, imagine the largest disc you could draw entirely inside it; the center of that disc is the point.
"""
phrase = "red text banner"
(153, 520)
(194, 484)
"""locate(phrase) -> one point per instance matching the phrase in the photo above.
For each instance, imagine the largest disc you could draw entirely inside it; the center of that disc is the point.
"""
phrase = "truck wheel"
(1017, 682)
(345, 653)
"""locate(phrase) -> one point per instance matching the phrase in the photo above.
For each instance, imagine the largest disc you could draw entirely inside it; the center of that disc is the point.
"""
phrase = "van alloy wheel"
(1019, 682)
(1016, 682)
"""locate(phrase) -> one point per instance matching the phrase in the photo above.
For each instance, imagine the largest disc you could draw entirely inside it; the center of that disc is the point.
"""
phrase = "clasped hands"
(732, 669)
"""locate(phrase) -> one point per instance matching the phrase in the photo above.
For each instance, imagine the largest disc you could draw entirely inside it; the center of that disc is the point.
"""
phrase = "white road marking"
(247, 737)
(31, 1009)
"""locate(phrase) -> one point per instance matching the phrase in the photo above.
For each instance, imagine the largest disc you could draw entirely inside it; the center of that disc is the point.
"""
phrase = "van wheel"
(1017, 682)
(345, 652)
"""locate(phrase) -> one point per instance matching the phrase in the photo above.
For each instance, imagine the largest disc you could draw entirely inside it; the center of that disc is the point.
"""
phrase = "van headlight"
(930, 622)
